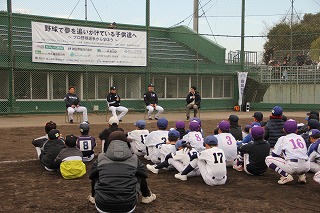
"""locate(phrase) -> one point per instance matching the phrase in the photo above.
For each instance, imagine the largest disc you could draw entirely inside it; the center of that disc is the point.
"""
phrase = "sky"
(219, 17)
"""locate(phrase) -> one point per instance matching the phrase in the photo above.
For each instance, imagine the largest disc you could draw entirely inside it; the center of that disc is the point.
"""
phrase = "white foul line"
(17, 161)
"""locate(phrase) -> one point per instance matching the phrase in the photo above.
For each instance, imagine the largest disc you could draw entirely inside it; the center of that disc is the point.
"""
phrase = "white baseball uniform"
(316, 177)
(228, 144)
(155, 138)
(294, 151)
(181, 159)
(314, 156)
(195, 139)
(212, 166)
(138, 138)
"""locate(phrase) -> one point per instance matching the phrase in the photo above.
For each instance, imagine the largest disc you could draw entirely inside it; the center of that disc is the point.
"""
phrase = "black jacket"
(112, 99)
(258, 150)
(117, 173)
(197, 99)
(150, 98)
(50, 151)
(71, 99)
(274, 130)
(236, 131)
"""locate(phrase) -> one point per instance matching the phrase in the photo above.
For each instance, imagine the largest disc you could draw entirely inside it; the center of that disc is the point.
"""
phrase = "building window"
(133, 87)
(206, 87)
(171, 91)
(39, 85)
(58, 85)
(103, 81)
(183, 86)
(228, 87)
(159, 85)
(218, 87)
(22, 86)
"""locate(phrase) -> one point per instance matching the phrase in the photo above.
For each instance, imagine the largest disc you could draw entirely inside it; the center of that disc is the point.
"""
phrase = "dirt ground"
(25, 186)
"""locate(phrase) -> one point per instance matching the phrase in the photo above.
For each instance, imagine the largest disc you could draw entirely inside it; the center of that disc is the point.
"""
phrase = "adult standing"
(73, 105)
(193, 102)
(151, 101)
(113, 100)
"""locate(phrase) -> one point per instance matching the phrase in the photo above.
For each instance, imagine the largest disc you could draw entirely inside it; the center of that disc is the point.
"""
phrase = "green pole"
(10, 58)
(242, 36)
(147, 76)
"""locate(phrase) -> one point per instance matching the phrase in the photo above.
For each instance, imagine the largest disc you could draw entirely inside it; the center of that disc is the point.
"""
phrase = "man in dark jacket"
(51, 149)
(193, 102)
(151, 100)
(274, 127)
(252, 155)
(113, 100)
(116, 175)
(73, 105)
(235, 128)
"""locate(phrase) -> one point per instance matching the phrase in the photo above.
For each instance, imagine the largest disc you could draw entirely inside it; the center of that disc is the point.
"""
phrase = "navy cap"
(194, 125)
(162, 123)
(277, 111)
(257, 132)
(211, 140)
(290, 126)
(180, 143)
(53, 134)
(174, 133)
(150, 85)
(140, 124)
(233, 118)
(224, 125)
(258, 116)
(180, 125)
(113, 88)
(71, 140)
(313, 124)
(313, 132)
(313, 112)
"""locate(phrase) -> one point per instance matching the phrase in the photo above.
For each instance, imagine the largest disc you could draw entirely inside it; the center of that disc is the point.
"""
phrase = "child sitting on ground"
(86, 143)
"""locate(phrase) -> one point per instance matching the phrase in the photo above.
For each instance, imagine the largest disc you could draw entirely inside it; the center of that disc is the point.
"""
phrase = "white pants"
(136, 151)
(300, 167)
(154, 154)
(88, 159)
(121, 109)
(151, 109)
(316, 177)
(207, 177)
(314, 167)
(78, 109)
(180, 167)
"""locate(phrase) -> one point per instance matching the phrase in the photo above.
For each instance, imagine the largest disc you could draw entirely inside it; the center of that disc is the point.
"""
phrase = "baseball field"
(27, 187)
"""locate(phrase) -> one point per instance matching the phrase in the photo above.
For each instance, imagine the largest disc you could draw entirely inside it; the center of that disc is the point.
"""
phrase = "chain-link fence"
(176, 59)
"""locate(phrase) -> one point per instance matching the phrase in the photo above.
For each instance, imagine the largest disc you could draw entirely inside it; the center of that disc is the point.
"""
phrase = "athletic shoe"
(150, 118)
(239, 168)
(71, 121)
(180, 176)
(149, 199)
(152, 168)
(156, 118)
(91, 199)
(284, 180)
(302, 178)
(147, 157)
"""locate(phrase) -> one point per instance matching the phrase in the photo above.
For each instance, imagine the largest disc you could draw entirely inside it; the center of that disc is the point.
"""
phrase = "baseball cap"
(276, 111)
(174, 133)
(113, 88)
(247, 127)
(313, 132)
(314, 113)
(84, 127)
(257, 132)
(312, 116)
(113, 120)
(140, 124)
(71, 140)
(313, 124)
(233, 118)
(150, 85)
(255, 124)
(211, 140)
(290, 126)
(194, 125)
(53, 134)
(162, 123)
(196, 119)
(180, 143)
(180, 125)
(224, 125)
(258, 116)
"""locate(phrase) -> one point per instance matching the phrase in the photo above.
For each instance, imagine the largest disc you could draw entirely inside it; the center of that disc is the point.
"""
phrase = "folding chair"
(145, 116)
(77, 115)
(107, 111)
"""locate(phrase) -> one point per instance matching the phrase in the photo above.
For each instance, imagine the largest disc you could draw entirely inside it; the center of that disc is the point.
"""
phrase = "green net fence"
(176, 58)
